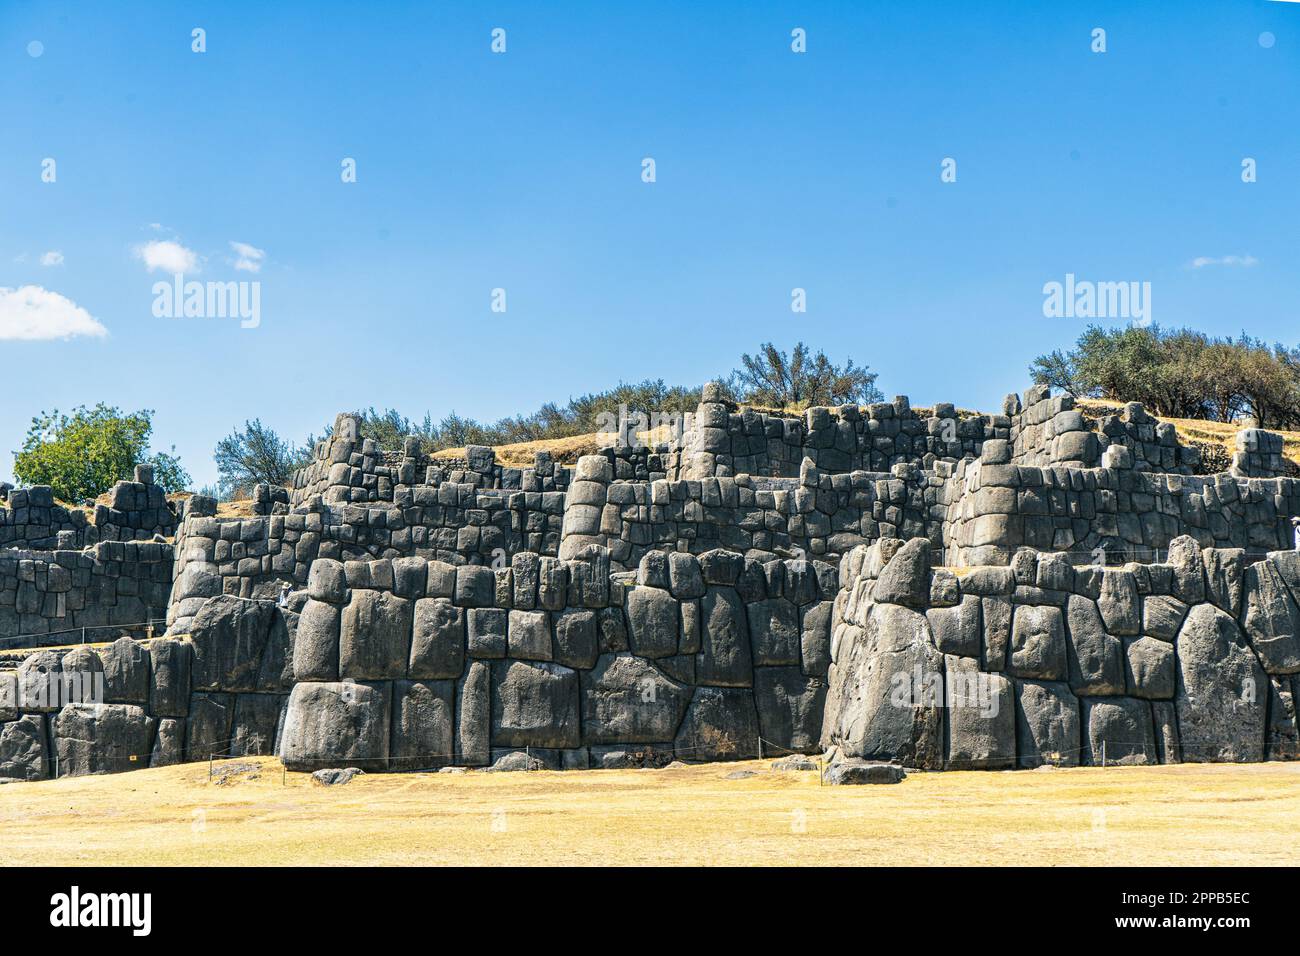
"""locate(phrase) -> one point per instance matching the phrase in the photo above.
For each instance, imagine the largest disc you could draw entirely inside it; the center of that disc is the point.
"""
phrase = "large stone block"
(1096, 659)
(653, 621)
(726, 658)
(534, 705)
(230, 635)
(1047, 724)
(628, 700)
(437, 639)
(1119, 730)
(207, 729)
(168, 743)
(489, 629)
(1221, 691)
(1038, 646)
(1149, 668)
(126, 672)
(375, 636)
(336, 724)
(906, 579)
(1272, 621)
(474, 716)
(790, 709)
(575, 638)
(774, 631)
(957, 629)
(981, 726)
(24, 752)
(101, 738)
(169, 677)
(815, 638)
(316, 643)
(530, 636)
(423, 728)
(720, 724)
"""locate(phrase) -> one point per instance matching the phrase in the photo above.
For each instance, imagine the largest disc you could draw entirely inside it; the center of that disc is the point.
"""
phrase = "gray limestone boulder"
(336, 724)
(576, 642)
(886, 696)
(1038, 645)
(375, 636)
(1221, 691)
(529, 637)
(101, 738)
(720, 724)
(169, 677)
(437, 639)
(790, 708)
(1047, 724)
(957, 629)
(774, 631)
(981, 725)
(474, 715)
(230, 635)
(422, 729)
(906, 579)
(1096, 659)
(654, 620)
(861, 772)
(726, 657)
(627, 700)
(316, 644)
(1118, 729)
(1162, 616)
(24, 751)
(208, 727)
(1272, 621)
(1120, 605)
(126, 672)
(168, 742)
(534, 705)
(1149, 668)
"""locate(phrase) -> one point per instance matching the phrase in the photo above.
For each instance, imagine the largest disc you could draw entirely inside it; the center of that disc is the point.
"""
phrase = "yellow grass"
(1189, 814)
(1216, 433)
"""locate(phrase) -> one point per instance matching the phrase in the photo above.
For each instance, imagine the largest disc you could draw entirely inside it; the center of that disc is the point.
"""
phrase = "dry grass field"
(1189, 814)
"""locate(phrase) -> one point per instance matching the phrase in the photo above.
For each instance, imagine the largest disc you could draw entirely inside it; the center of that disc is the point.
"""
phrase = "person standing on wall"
(1295, 523)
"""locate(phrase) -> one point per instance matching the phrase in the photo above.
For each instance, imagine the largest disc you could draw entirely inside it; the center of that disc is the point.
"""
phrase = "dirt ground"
(1189, 814)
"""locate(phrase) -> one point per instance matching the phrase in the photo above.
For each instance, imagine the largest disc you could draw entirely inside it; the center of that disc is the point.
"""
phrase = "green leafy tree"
(84, 454)
(254, 455)
(801, 379)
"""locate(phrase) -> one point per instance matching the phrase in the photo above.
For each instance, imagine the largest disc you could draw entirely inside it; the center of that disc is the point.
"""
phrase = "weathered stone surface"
(981, 725)
(8, 696)
(906, 579)
(888, 692)
(1118, 729)
(1221, 691)
(790, 708)
(101, 738)
(534, 705)
(207, 729)
(726, 659)
(860, 772)
(336, 724)
(316, 644)
(229, 637)
(474, 715)
(720, 724)
(422, 726)
(1038, 646)
(1149, 668)
(1189, 572)
(815, 638)
(996, 632)
(1162, 616)
(437, 640)
(475, 586)
(1166, 731)
(168, 743)
(1096, 659)
(957, 630)
(488, 632)
(1224, 573)
(39, 687)
(326, 581)
(24, 752)
(575, 638)
(335, 776)
(126, 672)
(684, 576)
(1272, 621)
(627, 700)
(1283, 741)
(169, 677)
(256, 725)
(774, 631)
(530, 636)
(1119, 603)
(1047, 724)
(375, 636)
(653, 619)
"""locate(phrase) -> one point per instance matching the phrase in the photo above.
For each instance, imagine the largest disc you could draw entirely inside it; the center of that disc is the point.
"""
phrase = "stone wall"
(132, 704)
(409, 664)
(136, 511)
(996, 506)
(1192, 660)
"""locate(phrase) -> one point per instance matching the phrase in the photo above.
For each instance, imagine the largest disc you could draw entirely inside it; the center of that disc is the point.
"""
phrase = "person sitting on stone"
(1295, 523)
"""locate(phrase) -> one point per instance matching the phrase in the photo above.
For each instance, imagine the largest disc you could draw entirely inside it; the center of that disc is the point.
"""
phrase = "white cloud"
(52, 258)
(168, 256)
(249, 257)
(1200, 262)
(32, 313)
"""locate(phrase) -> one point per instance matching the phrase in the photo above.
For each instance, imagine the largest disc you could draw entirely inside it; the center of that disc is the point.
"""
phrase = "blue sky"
(522, 171)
